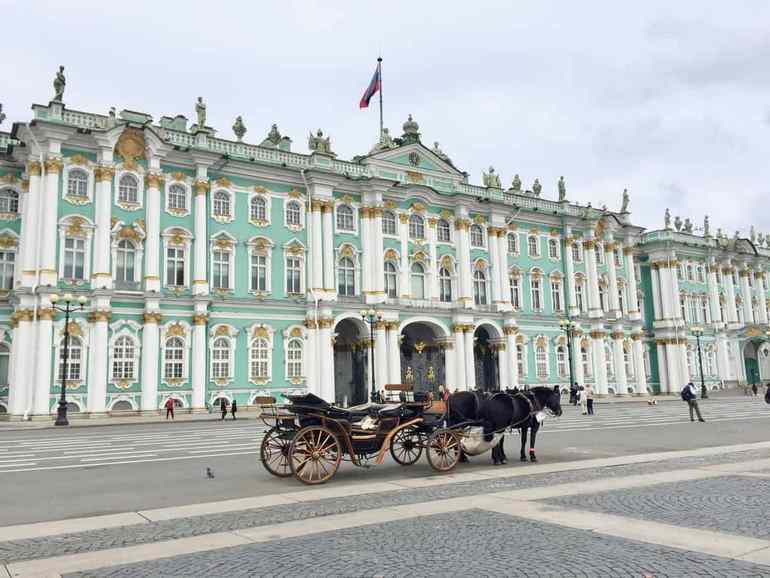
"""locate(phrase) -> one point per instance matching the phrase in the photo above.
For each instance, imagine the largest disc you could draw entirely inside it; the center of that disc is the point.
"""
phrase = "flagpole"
(379, 69)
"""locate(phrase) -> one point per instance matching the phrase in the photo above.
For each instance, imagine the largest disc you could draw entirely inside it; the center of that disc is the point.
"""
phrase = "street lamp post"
(697, 331)
(371, 317)
(70, 304)
(568, 326)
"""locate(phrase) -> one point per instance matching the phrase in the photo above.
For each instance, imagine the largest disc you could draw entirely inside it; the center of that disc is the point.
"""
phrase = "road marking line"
(101, 459)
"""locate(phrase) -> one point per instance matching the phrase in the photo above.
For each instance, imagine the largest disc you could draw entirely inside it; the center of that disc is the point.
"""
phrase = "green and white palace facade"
(219, 269)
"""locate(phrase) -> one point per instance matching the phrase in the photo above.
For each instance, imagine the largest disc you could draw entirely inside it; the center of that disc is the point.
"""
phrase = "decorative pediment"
(413, 157)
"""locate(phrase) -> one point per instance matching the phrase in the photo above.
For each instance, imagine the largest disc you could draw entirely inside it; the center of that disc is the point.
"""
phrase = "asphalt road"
(53, 474)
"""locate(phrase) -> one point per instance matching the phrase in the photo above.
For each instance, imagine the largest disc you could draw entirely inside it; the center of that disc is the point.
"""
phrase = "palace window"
(693, 307)
(74, 359)
(5, 356)
(603, 301)
(710, 362)
(175, 263)
(391, 279)
(700, 275)
(9, 201)
(479, 288)
(128, 190)
(541, 362)
(388, 223)
(294, 359)
(173, 358)
(599, 254)
(521, 360)
(533, 247)
(417, 281)
(536, 294)
(704, 307)
(553, 249)
(345, 218)
(608, 361)
(579, 298)
(260, 350)
(621, 299)
(585, 360)
(123, 358)
(444, 285)
(443, 231)
(516, 291)
(683, 307)
(346, 277)
(77, 183)
(293, 275)
(577, 255)
(616, 256)
(258, 273)
(627, 362)
(258, 209)
(222, 204)
(221, 270)
(7, 262)
(74, 258)
(690, 273)
(125, 261)
(561, 361)
(416, 227)
(293, 214)
(477, 236)
(556, 294)
(513, 243)
(177, 198)
(220, 358)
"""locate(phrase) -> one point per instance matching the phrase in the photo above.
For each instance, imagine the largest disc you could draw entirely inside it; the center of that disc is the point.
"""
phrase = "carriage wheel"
(274, 452)
(406, 446)
(314, 454)
(443, 450)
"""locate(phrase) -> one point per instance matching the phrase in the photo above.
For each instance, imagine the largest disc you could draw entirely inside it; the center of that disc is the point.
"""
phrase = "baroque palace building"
(216, 269)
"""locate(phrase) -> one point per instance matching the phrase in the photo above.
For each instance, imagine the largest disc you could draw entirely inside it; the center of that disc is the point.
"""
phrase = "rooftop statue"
(760, 239)
(516, 184)
(687, 225)
(737, 235)
(753, 234)
(719, 233)
(385, 142)
(239, 128)
(491, 180)
(561, 185)
(200, 111)
(58, 85)
(678, 223)
(274, 136)
(2, 116)
(537, 188)
(706, 227)
(667, 219)
(439, 153)
(317, 143)
(626, 200)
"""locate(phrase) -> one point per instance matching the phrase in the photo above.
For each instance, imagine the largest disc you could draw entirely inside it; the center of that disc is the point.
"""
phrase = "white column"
(612, 274)
(381, 353)
(150, 347)
(403, 234)
(31, 224)
(17, 390)
(600, 361)
(632, 288)
(450, 361)
(394, 352)
(50, 199)
(102, 274)
(378, 251)
(594, 305)
(640, 373)
(198, 361)
(511, 354)
(657, 305)
(502, 250)
(432, 285)
(759, 283)
(326, 352)
(328, 253)
(723, 359)
(569, 267)
(317, 284)
(311, 357)
(459, 355)
(713, 292)
(730, 306)
(98, 359)
(464, 262)
(43, 352)
(748, 310)
(503, 363)
(621, 379)
(200, 283)
(367, 259)
(494, 260)
(470, 360)
(577, 359)
(152, 240)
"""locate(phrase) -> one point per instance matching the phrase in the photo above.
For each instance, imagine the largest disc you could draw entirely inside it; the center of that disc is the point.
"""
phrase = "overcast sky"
(669, 99)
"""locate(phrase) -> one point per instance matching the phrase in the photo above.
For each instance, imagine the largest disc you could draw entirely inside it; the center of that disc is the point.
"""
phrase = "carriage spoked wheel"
(406, 446)
(314, 454)
(274, 452)
(443, 450)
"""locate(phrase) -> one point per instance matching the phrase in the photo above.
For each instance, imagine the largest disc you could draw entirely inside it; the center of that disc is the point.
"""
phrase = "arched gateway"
(351, 362)
(423, 355)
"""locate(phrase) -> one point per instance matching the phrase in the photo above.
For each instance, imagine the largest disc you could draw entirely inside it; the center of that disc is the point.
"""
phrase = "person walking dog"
(169, 405)
(690, 396)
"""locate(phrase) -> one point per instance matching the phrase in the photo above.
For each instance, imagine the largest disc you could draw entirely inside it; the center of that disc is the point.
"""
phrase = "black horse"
(542, 399)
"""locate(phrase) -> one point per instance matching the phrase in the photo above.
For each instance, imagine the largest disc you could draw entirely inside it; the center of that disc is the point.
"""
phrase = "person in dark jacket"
(573, 394)
(223, 407)
(233, 408)
(691, 397)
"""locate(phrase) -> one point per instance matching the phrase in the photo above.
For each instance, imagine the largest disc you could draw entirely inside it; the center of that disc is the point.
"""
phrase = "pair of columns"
(321, 239)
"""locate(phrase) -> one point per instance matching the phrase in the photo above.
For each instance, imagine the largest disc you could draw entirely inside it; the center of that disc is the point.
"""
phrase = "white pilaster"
(569, 267)
(17, 393)
(730, 306)
(317, 283)
(589, 255)
(102, 275)
(503, 362)
(612, 274)
(470, 360)
(381, 353)
(723, 360)
(200, 282)
(403, 235)
(713, 293)
(98, 360)
(432, 290)
(621, 379)
(632, 284)
(198, 361)
(639, 371)
(367, 258)
(31, 221)
(462, 246)
(378, 251)
(450, 361)
(657, 305)
(502, 267)
(759, 286)
(511, 354)
(20, 390)
(50, 200)
(328, 254)
(311, 356)
(43, 351)
(394, 352)
(748, 309)
(459, 355)
(663, 376)
(577, 359)
(600, 361)
(326, 352)
(150, 348)
(494, 261)
(152, 240)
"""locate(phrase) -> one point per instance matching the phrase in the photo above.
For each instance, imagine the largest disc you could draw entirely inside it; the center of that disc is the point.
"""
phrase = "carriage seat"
(390, 410)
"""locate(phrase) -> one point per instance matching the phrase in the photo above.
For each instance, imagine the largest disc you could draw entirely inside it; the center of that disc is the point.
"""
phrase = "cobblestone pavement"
(195, 526)
(732, 504)
(457, 544)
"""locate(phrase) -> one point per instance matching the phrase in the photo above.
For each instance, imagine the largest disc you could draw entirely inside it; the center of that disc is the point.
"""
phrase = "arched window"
(477, 236)
(700, 275)
(577, 255)
(345, 218)
(541, 362)
(599, 253)
(579, 298)
(417, 281)
(346, 277)
(294, 359)
(177, 198)
(260, 350)
(680, 272)
(556, 294)
(391, 279)
(561, 361)
(7, 263)
(9, 201)
(258, 209)
(293, 214)
(690, 275)
(173, 358)
(443, 231)
(622, 298)
(175, 263)
(553, 248)
(683, 306)
(5, 356)
(515, 281)
(258, 272)
(585, 359)
(74, 258)
(293, 276)
(221, 269)
(479, 287)
(444, 285)
(388, 223)
(220, 358)
(416, 227)
(77, 183)
(123, 358)
(128, 189)
(532, 246)
(704, 307)
(74, 359)
(608, 358)
(616, 256)
(126, 257)
(513, 243)
(521, 360)
(536, 293)
(222, 204)
(603, 301)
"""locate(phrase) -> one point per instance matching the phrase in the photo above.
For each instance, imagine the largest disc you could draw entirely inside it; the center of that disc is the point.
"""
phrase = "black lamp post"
(372, 317)
(70, 304)
(568, 327)
(697, 331)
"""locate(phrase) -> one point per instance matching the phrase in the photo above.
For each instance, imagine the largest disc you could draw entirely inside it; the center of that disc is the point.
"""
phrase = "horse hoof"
(532, 459)
(523, 458)
(463, 460)
(503, 462)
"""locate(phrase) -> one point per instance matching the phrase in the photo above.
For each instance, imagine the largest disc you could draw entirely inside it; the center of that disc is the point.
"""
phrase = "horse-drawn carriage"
(309, 438)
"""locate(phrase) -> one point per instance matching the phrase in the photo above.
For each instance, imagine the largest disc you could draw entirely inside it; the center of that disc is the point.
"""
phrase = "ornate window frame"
(126, 206)
(76, 227)
(513, 236)
(224, 242)
(178, 180)
(10, 215)
(514, 282)
(539, 343)
(230, 216)
(79, 328)
(296, 200)
(556, 286)
(480, 229)
(450, 237)
(78, 163)
(538, 253)
(135, 235)
(129, 329)
(394, 234)
(347, 250)
(183, 331)
(260, 193)
(480, 266)
(553, 244)
(177, 237)
(229, 334)
(9, 243)
(354, 211)
(296, 250)
(522, 362)
(294, 333)
(255, 332)
(536, 275)
(261, 246)
(447, 262)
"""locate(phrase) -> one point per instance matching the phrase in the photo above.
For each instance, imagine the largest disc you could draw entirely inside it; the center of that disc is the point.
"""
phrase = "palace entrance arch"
(756, 360)
(423, 356)
(486, 358)
(351, 357)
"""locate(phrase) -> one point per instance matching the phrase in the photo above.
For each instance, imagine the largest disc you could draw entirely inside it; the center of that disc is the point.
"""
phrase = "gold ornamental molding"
(597, 334)
(325, 323)
(223, 182)
(744, 273)
(510, 330)
(365, 212)
(404, 218)
(153, 180)
(78, 160)
(25, 185)
(457, 328)
(392, 325)
(33, 169)
(589, 244)
(390, 205)
(610, 247)
(311, 324)
(175, 330)
(380, 325)
(201, 187)
(200, 319)
(152, 317)
(46, 314)
(104, 173)
(130, 146)
(617, 335)
(327, 207)
(99, 316)
(8, 241)
(53, 165)
(628, 250)
(479, 219)
(9, 179)
(462, 224)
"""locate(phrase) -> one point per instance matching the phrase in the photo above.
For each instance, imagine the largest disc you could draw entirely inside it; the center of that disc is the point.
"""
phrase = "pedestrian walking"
(573, 389)
(754, 389)
(233, 408)
(169, 405)
(690, 396)
(767, 393)
(589, 398)
(223, 407)
(581, 394)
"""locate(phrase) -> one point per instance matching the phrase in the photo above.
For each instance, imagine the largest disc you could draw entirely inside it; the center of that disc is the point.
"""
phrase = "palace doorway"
(423, 364)
(351, 362)
(485, 356)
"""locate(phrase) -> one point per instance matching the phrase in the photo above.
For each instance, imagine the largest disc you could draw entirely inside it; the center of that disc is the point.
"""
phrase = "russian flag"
(371, 90)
